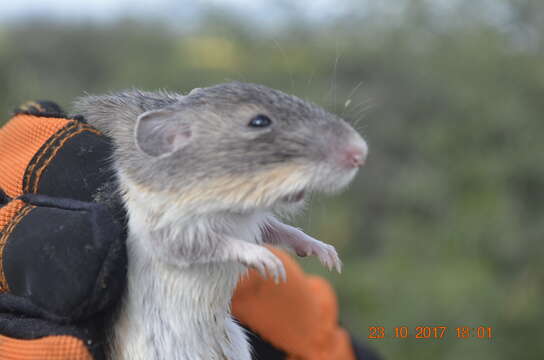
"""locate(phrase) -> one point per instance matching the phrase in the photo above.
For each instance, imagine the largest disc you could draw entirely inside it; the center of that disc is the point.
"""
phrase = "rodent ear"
(161, 132)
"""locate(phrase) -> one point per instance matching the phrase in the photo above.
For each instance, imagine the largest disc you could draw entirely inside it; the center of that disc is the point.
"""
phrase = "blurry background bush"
(444, 225)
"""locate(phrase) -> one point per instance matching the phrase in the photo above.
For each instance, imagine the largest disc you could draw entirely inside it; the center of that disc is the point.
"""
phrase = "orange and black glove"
(63, 258)
(62, 255)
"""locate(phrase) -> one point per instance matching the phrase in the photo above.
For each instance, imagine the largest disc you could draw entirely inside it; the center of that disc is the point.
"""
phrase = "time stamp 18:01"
(429, 332)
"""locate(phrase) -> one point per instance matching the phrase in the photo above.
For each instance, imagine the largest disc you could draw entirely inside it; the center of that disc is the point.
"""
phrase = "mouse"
(205, 178)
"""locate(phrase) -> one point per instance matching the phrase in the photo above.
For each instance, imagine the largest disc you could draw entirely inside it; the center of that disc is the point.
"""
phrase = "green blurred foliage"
(443, 226)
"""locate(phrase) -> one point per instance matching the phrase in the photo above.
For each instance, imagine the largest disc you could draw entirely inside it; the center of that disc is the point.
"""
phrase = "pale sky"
(17, 10)
(264, 13)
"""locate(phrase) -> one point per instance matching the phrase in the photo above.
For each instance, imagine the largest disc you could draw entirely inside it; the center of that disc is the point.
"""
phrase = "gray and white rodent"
(202, 175)
(202, 150)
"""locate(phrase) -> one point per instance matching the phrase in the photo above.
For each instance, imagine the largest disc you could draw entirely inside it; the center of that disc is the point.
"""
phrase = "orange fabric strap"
(47, 348)
(20, 140)
(27, 144)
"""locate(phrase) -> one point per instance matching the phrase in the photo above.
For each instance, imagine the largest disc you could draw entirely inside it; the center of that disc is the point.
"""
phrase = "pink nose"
(354, 156)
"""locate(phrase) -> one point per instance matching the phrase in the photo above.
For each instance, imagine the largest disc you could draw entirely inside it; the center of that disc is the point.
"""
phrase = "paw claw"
(268, 264)
(326, 254)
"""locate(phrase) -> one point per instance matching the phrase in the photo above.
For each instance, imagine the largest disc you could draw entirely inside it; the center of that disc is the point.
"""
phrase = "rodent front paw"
(276, 232)
(264, 261)
(326, 253)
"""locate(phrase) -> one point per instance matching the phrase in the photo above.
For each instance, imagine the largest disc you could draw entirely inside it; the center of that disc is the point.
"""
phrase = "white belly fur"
(181, 312)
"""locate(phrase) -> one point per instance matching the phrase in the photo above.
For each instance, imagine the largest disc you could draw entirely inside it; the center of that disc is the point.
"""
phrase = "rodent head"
(240, 146)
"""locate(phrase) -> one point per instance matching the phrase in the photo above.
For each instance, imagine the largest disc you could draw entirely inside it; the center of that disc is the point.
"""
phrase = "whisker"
(359, 111)
(347, 103)
(312, 74)
(352, 92)
(334, 79)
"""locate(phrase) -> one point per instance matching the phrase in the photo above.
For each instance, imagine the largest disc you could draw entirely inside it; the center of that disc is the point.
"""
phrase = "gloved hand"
(63, 260)
(62, 236)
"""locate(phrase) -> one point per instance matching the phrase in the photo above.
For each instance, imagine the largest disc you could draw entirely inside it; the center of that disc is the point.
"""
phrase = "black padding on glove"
(83, 165)
(22, 320)
(262, 349)
(67, 257)
(44, 108)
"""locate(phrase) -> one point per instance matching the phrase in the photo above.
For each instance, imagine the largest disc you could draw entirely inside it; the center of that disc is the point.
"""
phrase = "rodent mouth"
(294, 197)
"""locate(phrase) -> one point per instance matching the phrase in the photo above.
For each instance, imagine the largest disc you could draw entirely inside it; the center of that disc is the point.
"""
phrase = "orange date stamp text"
(429, 332)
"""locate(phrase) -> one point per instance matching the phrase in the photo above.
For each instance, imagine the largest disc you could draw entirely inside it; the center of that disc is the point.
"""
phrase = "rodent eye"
(260, 121)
